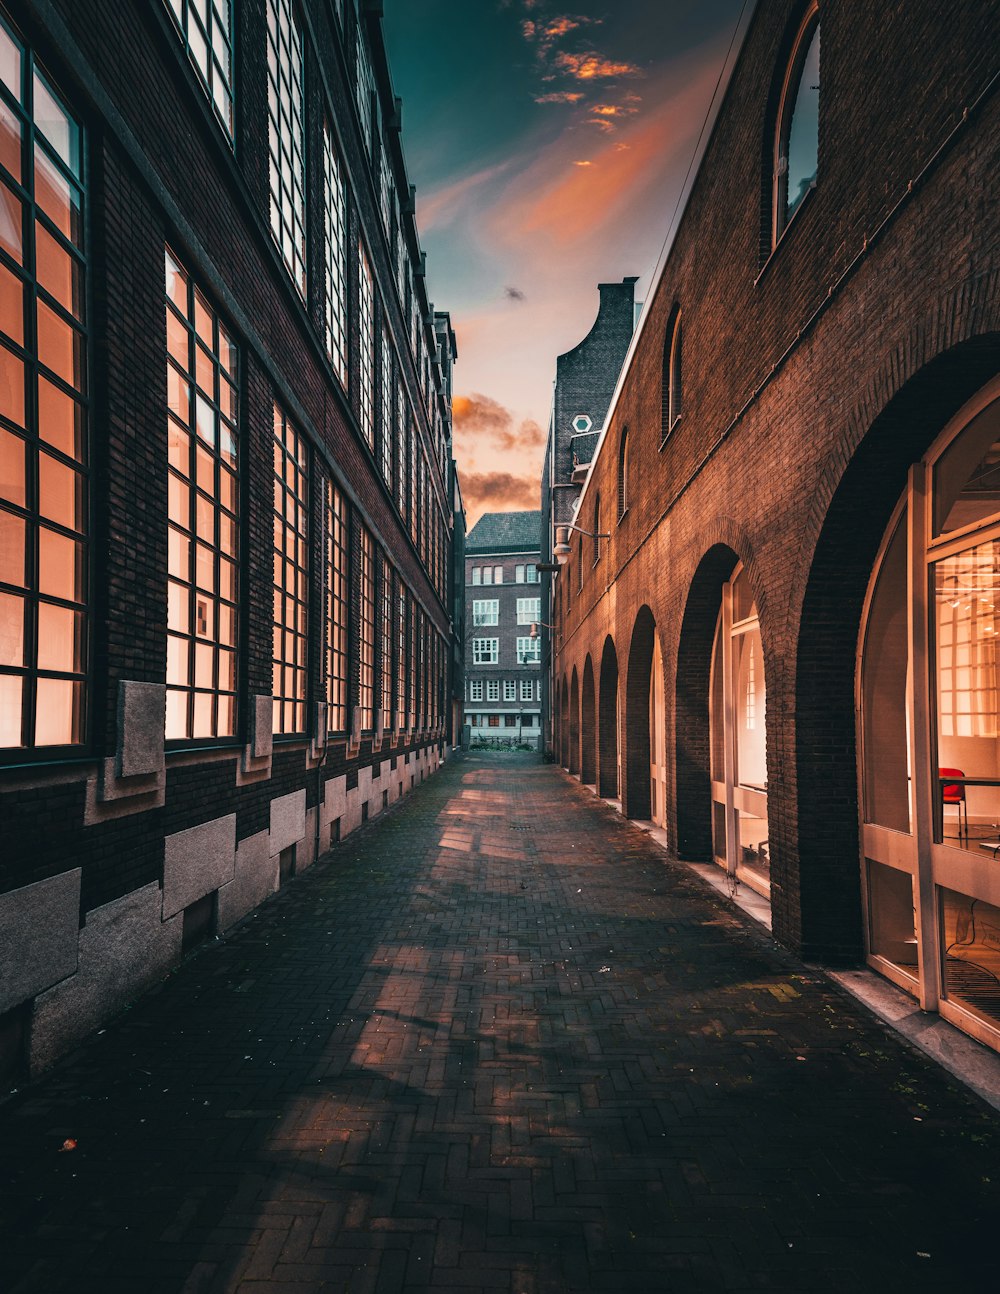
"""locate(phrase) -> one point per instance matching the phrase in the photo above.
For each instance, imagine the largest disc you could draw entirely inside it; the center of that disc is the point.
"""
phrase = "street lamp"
(560, 548)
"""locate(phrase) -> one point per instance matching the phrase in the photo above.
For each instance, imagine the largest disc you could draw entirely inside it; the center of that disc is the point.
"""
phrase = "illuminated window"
(671, 381)
(43, 411)
(291, 576)
(401, 659)
(388, 396)
(335, 245)
(203, 510)
(415, 614)
(386, 662)
(337, 604)
(366, 631)
(414, 504)
(206, 30)
(286, 137)
(366, 338)
(796, 145)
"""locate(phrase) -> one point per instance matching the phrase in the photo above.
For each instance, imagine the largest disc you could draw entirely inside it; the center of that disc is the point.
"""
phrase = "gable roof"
(506, 532)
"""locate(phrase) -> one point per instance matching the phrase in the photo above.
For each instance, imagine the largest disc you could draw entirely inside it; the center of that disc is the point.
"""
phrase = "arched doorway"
(928, 703)
(588, 725)
(609, 725)
(738, 739)
(573, 761)
(637, 782)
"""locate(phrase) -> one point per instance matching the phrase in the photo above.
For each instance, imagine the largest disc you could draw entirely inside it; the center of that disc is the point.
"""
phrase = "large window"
(366, 341)
(203, 505)
(415, 614)
(366, 630)
(286, 137)
(386, 649)
(529, 651)
(485, 612)
(365, 89)
(796, 145)
(388, 396)
(337, 584)
(529, 610)
(335, 249)
(623, 475)
(291, 576)
(486, 651)
(43, 411)
(206, 29)
(401, 659)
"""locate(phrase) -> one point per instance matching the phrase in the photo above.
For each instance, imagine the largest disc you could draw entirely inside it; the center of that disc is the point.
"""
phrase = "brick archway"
(692, 760)
(607, 723)
(588, 726)
(636, 797)
(573, 762)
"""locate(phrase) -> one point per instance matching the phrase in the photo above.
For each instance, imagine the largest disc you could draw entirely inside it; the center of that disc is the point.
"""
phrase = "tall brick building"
(784, 656)
(227, 497)
(503, 688)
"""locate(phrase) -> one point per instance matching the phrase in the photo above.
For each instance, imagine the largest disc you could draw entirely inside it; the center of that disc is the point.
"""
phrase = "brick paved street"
(496, 1042)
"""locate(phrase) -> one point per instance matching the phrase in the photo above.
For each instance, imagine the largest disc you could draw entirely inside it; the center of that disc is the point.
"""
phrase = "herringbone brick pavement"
(495, 1042)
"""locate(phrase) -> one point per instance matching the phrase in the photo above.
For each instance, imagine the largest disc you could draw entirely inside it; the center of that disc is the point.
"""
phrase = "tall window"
(796, 144)
(388, 408)
(527, 690)
(206, 30)
(486, 651)
(203, 505)
(493, 689)
(596, 527)
(43, 411)
(415, 614)
(485, 611)
(401, 659)
(529, 651)
(366, 339)
(476, 689)
(671, 397)
(386, 644)
(623, 475)
(366, 631)
(286, 137)
(337, 603)
(477, 575)
(365, 88)
(528, 610)
(532, 574)
(291, 576)
(510, 689)
(335, 248)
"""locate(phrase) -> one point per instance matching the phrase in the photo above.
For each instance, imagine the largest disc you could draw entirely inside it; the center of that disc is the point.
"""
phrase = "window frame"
(480, 648)
(672, 375)
(787, 100)
(477, 604)
(180, 21)
(299, 270)
(302, 458)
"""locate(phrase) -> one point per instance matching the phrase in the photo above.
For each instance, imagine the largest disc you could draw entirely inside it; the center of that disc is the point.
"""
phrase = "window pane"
(57, 272)
(52, 120)
(60, 633)
(11, 629)
(11, 387)
(60, 419)
(967, 475)
(11, 305)
(60, 565)
(10, 139)
(58, 197)
(11, 688)
(11, 549)
(58, 713)
(11, 224)
(12, 476)
(59, 346)
(803, 130)
(60, 492)
(10, 63)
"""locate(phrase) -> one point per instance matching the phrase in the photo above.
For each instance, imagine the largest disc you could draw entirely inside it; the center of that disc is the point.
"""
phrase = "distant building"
(585, 382)
(503, 686)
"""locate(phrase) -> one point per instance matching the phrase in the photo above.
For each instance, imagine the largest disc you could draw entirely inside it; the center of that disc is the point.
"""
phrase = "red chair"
(954, 793)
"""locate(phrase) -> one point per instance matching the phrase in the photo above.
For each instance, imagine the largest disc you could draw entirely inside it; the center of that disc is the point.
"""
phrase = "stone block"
(261, 727)
(39, 935)
(352, 813)
(334, 801)
(142, 710)
(198, 861)
(288, 820)
(305, 855)
(124, 950)
(255, 877)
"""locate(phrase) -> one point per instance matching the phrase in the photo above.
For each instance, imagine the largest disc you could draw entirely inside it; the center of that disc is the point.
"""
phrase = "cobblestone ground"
(496, 1042)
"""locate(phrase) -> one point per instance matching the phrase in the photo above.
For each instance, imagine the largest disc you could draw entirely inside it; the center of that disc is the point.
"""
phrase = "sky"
(548, 146)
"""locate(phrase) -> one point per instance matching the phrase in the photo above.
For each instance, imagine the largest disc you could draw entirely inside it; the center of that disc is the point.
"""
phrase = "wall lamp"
(560, 549)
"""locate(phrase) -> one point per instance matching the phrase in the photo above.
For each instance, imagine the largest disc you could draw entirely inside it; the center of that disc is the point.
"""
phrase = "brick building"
(784, 656)
(227, 497)
(502, 600)
(585, 382)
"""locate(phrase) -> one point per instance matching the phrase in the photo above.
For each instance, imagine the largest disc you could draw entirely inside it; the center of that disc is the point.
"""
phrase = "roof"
(505, 532)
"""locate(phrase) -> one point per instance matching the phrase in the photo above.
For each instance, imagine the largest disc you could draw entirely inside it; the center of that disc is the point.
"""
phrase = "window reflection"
(797, 148)
(290, 576)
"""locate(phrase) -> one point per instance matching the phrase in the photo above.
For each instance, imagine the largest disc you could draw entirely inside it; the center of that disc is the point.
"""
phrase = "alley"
(495, 1041)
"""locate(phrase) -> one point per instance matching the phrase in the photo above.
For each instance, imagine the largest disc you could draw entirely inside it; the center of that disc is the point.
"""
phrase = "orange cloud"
(560, 96)
(590, 67)
(497, 492)
(583, 163)
(477, 418)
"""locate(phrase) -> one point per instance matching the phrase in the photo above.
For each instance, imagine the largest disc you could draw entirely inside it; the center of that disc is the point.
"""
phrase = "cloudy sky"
(548, 146)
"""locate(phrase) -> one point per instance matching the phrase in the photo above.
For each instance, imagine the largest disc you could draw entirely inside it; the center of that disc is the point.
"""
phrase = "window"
(386, 661)
(43, 411)
(366, 629)
(518, 574)
(529, 651)
(477, 575)
(487, 574)
(335, 249)
(286, 137)
(365, 87)
(493, 720)
(486, 651)
(510, 721)
(671, 392)
(527, 689)
(388, 408)
(291, 576)
(531, 574)
(510, 689)
(207, 35)
(366, 341)
(337, 603)
(623, 475)
(485, 613)
(476, 689)
(414, 660)
(796, 144)
(493, 689)
(528, 610)
(203, 528)
(401, 659)
(497, 574)
(596, 527)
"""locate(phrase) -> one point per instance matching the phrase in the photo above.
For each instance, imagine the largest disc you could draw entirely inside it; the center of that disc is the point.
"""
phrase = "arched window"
(623, 475)
(796, 140)
(597, 529)
(671, 375)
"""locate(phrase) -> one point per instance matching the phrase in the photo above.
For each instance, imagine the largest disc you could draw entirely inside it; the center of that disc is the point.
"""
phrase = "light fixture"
(560, 548)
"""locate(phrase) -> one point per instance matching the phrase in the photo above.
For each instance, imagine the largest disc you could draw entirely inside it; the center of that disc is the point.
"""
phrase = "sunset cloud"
(560, 96)
(497, 492)
(477, 418)
(592, 66)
